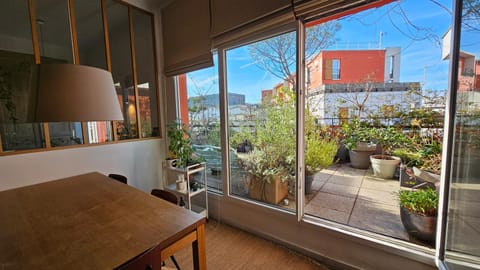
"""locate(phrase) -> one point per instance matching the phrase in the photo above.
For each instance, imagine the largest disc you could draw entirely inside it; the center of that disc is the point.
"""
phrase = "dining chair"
(120, 178)
(169, 197)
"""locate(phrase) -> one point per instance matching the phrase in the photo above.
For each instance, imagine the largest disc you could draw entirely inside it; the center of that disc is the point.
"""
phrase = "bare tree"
(277, 55)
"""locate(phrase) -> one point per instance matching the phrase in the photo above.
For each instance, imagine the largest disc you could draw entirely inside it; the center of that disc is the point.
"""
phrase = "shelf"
(199, 210)
(173, 187)
(191, 169)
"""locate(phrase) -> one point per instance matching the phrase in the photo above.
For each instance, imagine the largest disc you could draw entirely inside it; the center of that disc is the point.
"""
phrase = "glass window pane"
(91, 50)
(463, 220)
(54, 40)
(262, 120)
(121, 57)
(201, 110)
(146, 73)
(16, 60)
(375, 95)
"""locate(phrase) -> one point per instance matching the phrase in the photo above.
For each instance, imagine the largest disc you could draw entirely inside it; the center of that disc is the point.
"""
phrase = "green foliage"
(262, 165)
(409, 157)
(237, 138)
(276, 133)
(421, 201)
(319, 154)
(355, 132)
(179, 143)
(389, 138)
(213, 136)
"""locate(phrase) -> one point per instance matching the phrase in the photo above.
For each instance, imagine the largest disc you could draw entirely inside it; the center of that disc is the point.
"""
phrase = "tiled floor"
(356, 198)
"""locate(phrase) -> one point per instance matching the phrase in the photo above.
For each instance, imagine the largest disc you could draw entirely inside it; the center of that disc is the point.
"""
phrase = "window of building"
(331, 69)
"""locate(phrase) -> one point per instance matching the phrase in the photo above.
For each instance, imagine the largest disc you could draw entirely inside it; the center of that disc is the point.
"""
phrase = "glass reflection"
(147, 86)
(91, 50)
(16, 59)
(119, 36)
(463, 227)
(54, 40)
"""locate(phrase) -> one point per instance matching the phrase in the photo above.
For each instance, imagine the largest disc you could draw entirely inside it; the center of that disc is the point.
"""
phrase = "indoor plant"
(180, 143)
(384, 165)
(358, 140)
(418, 212)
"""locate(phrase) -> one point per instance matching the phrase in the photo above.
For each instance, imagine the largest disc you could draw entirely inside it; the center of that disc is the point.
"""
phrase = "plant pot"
(171, 162)
(308, 183)
(419, 226)
(342, 154)
(360, 159)
(384, 166)
(273, 192)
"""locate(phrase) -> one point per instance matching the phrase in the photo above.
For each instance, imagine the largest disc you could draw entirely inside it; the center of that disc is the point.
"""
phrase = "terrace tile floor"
(357, 198)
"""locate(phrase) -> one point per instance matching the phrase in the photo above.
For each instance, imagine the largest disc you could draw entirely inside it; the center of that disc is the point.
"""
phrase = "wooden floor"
(229, 249)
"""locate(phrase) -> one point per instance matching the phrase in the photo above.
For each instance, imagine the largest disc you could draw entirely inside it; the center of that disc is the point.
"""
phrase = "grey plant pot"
(308, 184)
(360, 159)
(418, 226)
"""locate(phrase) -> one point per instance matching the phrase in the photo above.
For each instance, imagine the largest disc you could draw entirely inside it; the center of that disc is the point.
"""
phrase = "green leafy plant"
(180, 143)
(319, 154)
(355, 132)
(421, 201)
(389, 138)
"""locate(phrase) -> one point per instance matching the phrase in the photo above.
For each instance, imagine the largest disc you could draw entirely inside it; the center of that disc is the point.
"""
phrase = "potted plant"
(418, 212)
(358, 140)
(268, 178)
(180, 144)
(319, 154)
(384, 165)
(421, 158)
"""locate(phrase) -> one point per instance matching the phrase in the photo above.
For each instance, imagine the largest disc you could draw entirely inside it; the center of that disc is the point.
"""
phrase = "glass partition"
(16, 60)
(146, 73)
(121, 57)
(91, 52)
(54, 41)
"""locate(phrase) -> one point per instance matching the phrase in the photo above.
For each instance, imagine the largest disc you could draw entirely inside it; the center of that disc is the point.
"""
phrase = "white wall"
(140, 161)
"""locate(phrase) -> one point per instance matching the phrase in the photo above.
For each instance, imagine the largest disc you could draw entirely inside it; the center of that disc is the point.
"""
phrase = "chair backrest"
(118, 177)
(166, 195)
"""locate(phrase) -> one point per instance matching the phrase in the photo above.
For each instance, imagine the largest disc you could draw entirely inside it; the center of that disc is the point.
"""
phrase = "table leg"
(198, 247)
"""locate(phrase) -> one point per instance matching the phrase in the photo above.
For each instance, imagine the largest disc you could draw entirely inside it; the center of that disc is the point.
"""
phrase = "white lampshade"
(71, 93)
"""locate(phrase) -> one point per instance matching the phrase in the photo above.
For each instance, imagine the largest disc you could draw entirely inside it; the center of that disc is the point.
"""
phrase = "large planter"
(384, 166)
(273, 192)
(419, 226)
(360, 156)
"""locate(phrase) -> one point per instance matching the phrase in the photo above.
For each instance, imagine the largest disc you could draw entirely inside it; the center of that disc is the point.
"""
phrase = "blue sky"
(419, 39)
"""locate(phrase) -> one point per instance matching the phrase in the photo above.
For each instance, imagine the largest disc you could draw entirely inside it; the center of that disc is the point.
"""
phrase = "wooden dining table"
(90, 221)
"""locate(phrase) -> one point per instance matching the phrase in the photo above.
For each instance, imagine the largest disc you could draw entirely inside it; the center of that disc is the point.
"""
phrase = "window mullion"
(300, 89)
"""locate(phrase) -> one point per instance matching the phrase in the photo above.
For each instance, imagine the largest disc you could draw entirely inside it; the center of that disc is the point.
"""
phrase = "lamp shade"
(70, 93)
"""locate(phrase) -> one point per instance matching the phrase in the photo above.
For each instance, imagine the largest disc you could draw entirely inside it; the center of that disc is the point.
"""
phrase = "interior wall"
(140, 161)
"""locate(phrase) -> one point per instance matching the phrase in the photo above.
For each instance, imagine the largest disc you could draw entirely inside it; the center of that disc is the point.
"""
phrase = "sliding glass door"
(462, 234)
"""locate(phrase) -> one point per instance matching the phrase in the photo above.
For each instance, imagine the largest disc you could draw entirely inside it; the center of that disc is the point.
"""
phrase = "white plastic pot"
(384, 166)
